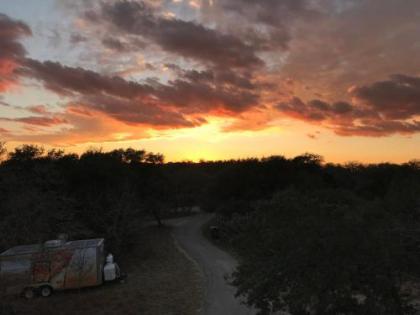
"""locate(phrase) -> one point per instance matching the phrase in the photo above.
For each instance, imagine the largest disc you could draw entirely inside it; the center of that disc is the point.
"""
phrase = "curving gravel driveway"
(213, 262)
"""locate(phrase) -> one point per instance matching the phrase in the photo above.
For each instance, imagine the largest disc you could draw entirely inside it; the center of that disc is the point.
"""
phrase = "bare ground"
(215, 264)
(161, 281)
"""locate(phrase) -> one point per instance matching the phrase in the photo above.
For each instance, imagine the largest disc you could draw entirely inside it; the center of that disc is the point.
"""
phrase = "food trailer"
(55, 265)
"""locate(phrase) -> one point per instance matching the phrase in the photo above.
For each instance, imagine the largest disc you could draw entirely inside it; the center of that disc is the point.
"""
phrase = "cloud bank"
(327, 63)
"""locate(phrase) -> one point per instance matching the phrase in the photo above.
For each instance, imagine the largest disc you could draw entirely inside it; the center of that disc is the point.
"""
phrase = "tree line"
(315, 238)
(96, 194)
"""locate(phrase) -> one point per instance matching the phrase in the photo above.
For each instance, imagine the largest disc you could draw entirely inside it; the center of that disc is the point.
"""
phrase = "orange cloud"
(11, 51)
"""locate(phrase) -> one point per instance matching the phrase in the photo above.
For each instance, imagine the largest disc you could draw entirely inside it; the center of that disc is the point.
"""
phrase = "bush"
(326, 251)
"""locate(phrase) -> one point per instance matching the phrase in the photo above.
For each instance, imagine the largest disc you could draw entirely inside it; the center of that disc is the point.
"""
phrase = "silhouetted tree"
(26, 152)
(3, 149)
(154, 158)
(55, 154)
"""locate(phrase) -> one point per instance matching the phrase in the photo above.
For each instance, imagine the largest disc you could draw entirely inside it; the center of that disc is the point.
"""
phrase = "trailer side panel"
(82, 269)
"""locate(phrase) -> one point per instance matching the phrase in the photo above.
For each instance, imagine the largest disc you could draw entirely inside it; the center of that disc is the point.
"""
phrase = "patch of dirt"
(161, 281)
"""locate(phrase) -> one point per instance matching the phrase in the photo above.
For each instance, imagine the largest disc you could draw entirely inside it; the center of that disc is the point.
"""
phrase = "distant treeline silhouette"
(310, 236)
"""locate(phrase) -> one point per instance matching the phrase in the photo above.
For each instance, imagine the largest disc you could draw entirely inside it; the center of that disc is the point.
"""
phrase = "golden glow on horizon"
(209, 142)
(213, 131)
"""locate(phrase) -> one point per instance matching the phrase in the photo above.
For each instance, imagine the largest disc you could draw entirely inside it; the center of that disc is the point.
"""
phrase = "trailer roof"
(84, 243)
(35, 248)
(22, 250)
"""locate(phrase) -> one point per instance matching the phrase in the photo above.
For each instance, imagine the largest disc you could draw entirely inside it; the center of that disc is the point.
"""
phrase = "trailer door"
(82, 270)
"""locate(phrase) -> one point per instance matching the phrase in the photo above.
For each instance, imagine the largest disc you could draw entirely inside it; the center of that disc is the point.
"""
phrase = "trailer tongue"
(56, 265)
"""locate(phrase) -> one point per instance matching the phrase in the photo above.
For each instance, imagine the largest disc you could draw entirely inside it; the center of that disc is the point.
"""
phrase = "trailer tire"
(45, 291)
(28, 293)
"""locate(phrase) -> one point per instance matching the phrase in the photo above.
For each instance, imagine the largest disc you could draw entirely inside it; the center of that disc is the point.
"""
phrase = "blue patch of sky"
(30, 93)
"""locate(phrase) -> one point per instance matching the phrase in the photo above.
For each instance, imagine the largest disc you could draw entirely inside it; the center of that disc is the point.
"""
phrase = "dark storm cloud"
(186, 38)
(203, 97)
(187, 92)
(137, 111)
(126, 101)
(69, 80)
(10, 32)
(208, 90)
(379, 109)
(379, 128)
(115, 44)
(77, 38)
(314, 110)
(132, 44)
(396, 98)
(342, 107)
(11, 51)
(349, 43)
(129, 102)
(192, 93)
(175, 104)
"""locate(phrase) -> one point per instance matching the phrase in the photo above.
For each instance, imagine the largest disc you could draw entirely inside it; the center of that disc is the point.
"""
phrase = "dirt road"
(213, 262)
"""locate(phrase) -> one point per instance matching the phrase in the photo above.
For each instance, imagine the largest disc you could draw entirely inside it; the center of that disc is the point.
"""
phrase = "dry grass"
(161, 281)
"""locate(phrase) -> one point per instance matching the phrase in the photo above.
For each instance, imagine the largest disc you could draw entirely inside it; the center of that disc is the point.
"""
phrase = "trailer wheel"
(28, 293)
(45, 291)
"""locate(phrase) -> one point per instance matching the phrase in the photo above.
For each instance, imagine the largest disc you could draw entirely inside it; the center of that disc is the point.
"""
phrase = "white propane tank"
(111, 269)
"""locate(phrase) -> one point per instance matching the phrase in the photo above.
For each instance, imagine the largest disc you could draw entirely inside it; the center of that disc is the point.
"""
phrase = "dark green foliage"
(25, 153)
(96, 195)
(320, 251)
(325, 248)
(31, 203)
(309, 236)
(320, 237)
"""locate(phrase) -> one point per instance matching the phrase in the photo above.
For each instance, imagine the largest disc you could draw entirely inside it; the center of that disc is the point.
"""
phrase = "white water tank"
(111, 269)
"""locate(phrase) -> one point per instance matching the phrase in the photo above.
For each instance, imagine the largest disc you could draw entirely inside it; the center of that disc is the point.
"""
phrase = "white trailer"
(55, 265)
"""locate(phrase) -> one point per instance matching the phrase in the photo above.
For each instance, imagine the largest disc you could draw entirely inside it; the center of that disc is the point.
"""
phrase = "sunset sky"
(214, 79)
